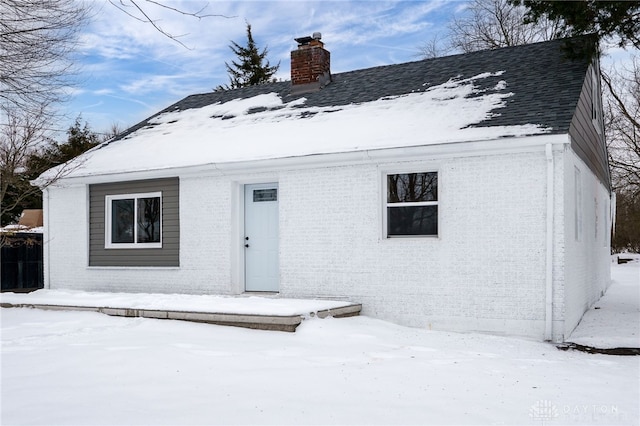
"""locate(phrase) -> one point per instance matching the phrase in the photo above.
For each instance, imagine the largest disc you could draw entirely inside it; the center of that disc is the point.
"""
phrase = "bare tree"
(37, 39)
(434, 47)
(490, 24)
(20, 136)
(622, 115)
(114, 130)
(622, 120)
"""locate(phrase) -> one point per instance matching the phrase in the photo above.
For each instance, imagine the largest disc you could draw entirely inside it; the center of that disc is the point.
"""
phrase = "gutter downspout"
(548, 318)
(45, 238)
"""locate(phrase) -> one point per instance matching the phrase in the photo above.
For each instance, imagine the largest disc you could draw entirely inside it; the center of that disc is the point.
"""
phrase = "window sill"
(140, 268)
(405, 237)
(133, 246)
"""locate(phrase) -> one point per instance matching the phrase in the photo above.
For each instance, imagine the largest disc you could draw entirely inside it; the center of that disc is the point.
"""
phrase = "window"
(134, 220)
(597, 219)
(578, 204)
(596, 105)
(261, 195)
(412, 204)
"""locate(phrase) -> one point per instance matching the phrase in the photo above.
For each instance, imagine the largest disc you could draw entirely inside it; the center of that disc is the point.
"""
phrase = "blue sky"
(128, 70)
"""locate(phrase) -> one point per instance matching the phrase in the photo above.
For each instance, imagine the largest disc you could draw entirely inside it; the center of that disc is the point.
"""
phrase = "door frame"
(238, 228)
(271, 283)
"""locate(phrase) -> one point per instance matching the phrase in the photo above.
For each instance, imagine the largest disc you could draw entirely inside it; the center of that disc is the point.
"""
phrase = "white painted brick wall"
(205, 235)
(484, 272)
(66, 237)
(587, 268)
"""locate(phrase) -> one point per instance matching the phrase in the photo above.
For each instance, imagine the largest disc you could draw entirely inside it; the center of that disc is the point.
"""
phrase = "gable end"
(586, 131)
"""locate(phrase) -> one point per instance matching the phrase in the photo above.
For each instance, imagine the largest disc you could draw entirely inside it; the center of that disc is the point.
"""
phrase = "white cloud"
(102, 92)
(152, 84)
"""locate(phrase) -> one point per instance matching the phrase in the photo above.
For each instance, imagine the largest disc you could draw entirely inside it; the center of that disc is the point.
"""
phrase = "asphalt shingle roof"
(545, 81)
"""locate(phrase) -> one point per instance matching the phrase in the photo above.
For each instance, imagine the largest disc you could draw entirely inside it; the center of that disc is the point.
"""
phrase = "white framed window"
(411, 207)
(133, 220)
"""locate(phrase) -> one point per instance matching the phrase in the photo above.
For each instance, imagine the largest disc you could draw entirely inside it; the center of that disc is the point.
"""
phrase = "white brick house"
(466, 193)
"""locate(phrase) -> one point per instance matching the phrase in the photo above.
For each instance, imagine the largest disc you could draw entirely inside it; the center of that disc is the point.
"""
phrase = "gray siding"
(168, 255)
(585, 140)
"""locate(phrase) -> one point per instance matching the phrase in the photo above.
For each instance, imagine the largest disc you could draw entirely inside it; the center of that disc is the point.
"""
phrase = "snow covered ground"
(614, 321)
(88, 368)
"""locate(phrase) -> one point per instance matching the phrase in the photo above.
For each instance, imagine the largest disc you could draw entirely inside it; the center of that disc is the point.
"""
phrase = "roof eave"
(435, 152)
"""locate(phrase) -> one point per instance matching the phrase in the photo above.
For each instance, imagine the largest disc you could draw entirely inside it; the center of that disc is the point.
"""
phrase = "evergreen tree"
(604, 18)
(252, 67)
(79, 139)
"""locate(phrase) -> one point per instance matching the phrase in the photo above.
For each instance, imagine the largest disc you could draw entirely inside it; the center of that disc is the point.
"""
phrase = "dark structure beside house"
(21, 262)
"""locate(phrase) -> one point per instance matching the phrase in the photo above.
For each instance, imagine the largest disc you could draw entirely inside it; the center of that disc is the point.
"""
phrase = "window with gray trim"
(412, 204)
(133, 220)
(142, 255)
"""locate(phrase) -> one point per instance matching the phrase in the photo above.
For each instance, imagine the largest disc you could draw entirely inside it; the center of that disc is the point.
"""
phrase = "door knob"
(246, 245)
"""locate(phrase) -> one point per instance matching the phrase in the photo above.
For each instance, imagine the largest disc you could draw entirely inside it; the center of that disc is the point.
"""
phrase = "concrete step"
(260, 322)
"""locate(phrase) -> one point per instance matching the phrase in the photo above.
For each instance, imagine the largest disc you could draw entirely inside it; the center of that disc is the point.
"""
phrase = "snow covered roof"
(516, 91)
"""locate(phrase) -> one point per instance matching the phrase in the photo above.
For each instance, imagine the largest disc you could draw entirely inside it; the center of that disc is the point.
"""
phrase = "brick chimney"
(310, 70)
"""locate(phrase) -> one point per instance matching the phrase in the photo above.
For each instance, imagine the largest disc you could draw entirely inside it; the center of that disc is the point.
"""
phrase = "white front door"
(261, 237)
